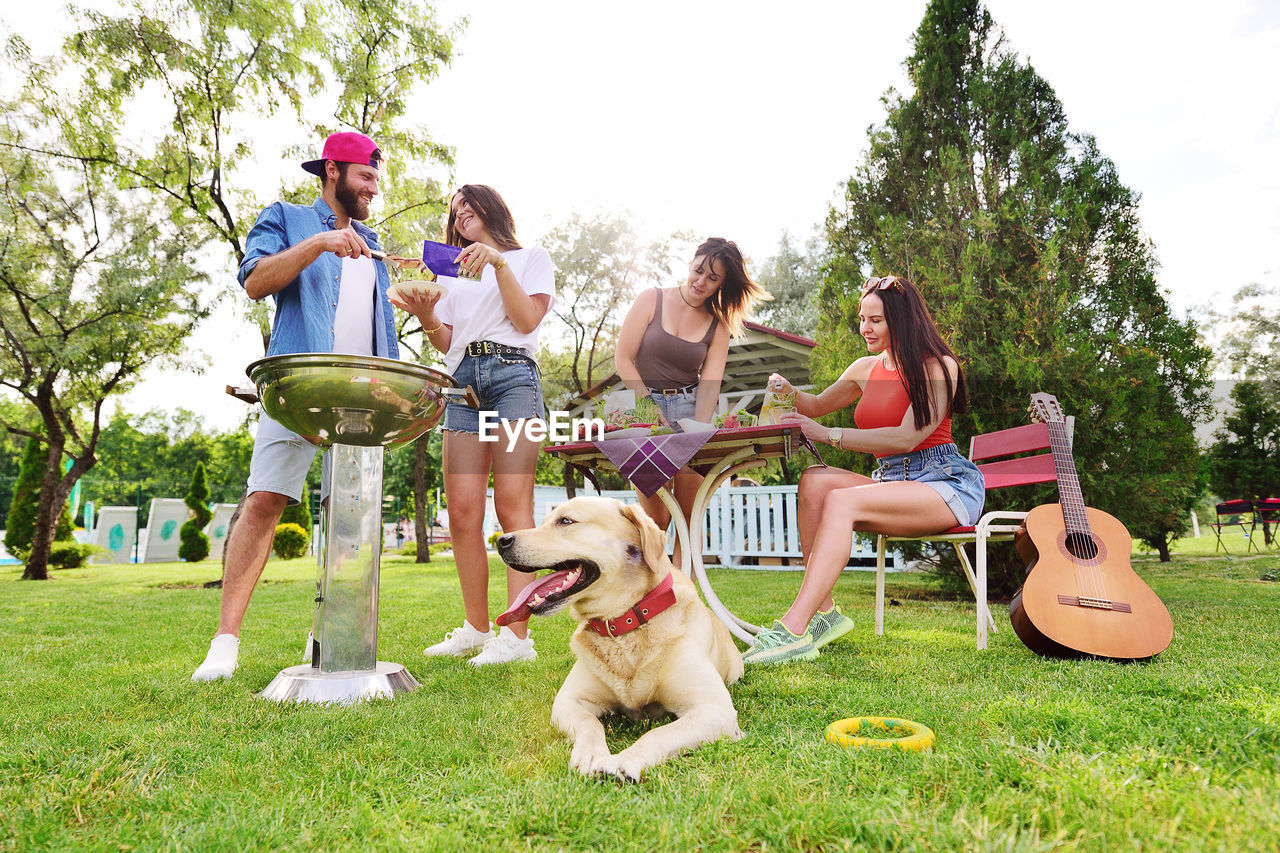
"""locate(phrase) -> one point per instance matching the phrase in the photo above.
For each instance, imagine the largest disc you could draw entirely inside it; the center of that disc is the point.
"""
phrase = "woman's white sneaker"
(459, 641)
(505, 648)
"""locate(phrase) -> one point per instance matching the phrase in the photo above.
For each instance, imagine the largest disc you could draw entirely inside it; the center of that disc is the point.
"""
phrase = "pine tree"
(1029, 251)
(20, 525)
(195, 544)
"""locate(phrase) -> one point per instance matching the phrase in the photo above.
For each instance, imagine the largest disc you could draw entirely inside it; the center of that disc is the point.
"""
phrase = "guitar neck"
(1064, 465)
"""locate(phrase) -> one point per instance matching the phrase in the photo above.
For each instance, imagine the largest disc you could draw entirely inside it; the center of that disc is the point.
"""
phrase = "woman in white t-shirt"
(487, 327)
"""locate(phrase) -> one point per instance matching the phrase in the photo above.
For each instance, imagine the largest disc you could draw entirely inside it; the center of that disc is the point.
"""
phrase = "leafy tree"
(92, 290)
(1244, 461)
(601, 265)
(143, 456)
(792, 276)
(1249, 336)
(1030, 253)
(211, 72)
(195, 544)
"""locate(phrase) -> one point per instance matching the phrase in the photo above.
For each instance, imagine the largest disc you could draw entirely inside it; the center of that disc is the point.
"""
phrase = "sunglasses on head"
(883, 282)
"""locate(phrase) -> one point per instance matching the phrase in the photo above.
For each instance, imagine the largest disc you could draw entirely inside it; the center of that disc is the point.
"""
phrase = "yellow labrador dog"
(646, 645)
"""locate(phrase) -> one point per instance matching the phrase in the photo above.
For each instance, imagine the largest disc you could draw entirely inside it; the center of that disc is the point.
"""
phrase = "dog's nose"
(506, 540)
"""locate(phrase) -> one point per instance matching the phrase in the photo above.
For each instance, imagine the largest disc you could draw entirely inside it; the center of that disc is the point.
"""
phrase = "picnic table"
(644, 460)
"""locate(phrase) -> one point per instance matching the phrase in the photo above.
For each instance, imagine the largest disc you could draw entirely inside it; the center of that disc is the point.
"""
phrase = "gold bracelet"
(500, 264)
(438, 327)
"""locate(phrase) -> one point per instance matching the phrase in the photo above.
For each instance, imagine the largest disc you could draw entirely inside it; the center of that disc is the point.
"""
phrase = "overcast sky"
(743, 119)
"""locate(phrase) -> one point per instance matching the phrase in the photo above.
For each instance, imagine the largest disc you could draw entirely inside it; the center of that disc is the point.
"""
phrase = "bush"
(299, 513)
(290, 541)
(195, 544)
(71, 555)
(20, 526)
(410, 549)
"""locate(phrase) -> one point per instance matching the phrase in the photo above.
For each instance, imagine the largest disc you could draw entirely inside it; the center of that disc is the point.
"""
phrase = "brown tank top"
(666, 361)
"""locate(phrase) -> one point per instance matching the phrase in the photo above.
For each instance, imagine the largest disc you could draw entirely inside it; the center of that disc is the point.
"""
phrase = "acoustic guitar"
(1081, 598)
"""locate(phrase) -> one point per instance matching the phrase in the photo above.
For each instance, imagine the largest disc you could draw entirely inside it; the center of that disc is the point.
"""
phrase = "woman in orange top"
(906, 391)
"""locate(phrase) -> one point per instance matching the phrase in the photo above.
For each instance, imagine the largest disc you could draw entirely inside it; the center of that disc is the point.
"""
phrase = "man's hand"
(343, 242)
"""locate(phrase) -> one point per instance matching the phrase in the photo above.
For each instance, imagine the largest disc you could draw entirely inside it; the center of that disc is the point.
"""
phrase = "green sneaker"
(828, 625)
(778, 645)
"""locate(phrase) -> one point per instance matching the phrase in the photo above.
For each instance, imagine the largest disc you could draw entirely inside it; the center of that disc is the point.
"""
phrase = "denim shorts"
(944, 470)
(506, 383)
(676, 406)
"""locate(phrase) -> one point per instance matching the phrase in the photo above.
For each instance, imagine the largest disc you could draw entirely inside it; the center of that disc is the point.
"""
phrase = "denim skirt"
(944, 470)
(506, 383)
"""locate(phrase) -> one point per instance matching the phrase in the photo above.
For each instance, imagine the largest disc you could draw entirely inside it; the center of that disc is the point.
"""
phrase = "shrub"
(195, 544)
(299, 513)
(20, 525)
(290, 541)
(71, 555)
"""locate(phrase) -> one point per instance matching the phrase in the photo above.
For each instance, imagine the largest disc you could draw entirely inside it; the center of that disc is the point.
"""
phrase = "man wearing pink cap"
(330, 296)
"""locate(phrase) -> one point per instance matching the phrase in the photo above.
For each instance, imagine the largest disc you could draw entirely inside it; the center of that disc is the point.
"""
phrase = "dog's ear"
(653, 541)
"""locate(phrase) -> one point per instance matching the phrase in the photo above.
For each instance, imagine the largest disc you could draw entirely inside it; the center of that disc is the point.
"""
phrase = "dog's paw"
(622, 767)
(587, 758)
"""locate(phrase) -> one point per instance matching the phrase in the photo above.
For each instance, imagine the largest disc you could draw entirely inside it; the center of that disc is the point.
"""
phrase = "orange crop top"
(883, 403)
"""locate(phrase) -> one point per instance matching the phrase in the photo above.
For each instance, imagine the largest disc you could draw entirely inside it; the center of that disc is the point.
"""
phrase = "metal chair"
(1237, 513)
(995, 526)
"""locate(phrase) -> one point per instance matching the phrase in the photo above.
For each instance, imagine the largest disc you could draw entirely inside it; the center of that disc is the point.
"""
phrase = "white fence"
(747, 527)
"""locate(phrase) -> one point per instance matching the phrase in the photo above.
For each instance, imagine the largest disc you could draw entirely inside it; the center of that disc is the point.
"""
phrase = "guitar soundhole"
(1081, 547)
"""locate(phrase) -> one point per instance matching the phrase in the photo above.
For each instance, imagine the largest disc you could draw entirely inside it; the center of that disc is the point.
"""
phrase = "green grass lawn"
(106, 745)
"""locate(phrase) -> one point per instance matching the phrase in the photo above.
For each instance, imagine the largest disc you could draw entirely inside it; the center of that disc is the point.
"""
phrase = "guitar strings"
(1075, 515)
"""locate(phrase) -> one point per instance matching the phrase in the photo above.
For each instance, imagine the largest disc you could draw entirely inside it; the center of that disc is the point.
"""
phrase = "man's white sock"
(224, 653)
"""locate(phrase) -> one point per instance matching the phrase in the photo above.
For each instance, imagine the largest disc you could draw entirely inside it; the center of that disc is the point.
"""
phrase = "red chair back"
(1019, 471)
(1237, 507)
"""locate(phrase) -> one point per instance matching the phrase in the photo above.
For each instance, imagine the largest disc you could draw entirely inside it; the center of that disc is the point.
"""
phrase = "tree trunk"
(47, 510)
(420, 529)
(37, 568)
(1163, 550)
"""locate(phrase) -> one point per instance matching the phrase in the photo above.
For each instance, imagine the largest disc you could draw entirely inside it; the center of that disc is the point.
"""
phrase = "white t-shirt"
(474, 308)
(353, 323)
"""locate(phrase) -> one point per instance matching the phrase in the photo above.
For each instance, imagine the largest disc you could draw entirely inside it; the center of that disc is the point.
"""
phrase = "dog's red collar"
(657, 600)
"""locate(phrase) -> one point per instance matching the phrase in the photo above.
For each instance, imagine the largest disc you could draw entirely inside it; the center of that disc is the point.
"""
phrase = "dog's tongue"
(519, 611)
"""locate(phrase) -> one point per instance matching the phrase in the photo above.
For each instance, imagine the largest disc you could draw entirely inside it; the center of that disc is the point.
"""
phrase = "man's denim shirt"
(306, 306)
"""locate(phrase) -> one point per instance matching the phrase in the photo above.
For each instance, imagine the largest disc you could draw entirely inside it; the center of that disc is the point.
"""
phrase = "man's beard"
(351, 202)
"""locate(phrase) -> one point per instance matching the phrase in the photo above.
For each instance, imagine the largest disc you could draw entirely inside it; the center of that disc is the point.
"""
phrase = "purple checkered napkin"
(649, 461)
(439, 258)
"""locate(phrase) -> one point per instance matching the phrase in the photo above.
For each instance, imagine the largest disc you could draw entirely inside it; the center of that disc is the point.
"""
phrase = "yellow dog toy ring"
(901, 734)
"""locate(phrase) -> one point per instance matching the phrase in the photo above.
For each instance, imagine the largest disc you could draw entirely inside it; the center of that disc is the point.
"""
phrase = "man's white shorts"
(281, 459)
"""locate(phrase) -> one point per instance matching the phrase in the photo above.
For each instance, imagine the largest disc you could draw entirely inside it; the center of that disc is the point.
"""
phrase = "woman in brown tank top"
(674, 342)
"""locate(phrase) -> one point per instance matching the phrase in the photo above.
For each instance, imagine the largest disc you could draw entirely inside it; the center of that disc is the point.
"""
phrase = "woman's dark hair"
(914, 341)
(737, 293)
(493, 212)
